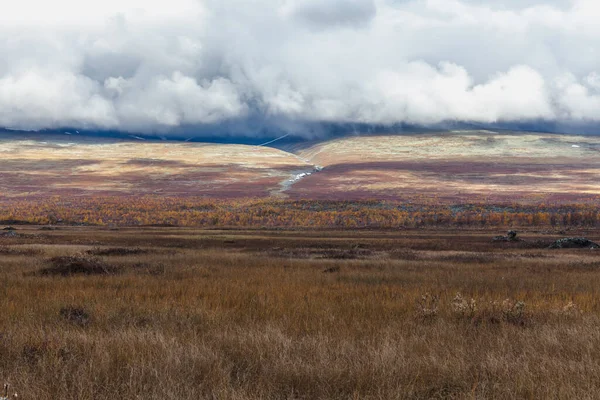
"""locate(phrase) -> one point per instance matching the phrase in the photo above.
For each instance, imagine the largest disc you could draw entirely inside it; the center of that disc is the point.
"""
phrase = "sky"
(161, 66)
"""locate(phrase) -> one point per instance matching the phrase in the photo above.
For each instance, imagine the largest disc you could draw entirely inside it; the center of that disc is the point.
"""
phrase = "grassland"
(62, 165)
(157, 313)
(454, 167)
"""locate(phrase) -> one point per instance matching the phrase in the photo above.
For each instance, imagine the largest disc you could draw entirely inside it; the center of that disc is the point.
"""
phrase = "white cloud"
(153, 66)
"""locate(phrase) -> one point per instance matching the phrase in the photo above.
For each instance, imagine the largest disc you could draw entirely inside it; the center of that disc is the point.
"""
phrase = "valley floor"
(178, 313)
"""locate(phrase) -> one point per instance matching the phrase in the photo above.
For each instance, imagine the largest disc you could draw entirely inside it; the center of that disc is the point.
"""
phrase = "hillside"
(455, 166)
(448, 167)
(54, 166)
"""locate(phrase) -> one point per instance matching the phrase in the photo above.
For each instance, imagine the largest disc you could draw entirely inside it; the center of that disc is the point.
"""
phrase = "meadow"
(186, 313)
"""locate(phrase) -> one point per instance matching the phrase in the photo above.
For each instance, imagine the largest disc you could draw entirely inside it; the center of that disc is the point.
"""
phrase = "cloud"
(331, 13)
(154, 66)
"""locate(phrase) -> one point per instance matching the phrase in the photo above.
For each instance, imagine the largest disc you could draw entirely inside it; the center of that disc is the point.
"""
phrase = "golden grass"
(228, 317)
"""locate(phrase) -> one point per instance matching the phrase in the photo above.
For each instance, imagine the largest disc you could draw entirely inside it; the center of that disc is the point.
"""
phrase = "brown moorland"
(34, 167)
(465, 166)
(154, 276)
(188, 314)
(454, 167)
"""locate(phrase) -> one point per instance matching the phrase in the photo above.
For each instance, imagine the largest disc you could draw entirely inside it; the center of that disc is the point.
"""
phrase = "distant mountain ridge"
(257, 134)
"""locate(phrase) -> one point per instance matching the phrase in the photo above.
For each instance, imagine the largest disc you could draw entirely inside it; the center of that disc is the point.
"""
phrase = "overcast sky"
(154, 66)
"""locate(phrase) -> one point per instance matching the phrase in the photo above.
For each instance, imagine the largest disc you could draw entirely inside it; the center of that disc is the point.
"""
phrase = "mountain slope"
(459, 166)
(450, 167)
(59, 167)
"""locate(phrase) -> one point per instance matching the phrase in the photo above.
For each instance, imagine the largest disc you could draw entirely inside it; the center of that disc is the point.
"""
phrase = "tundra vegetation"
(94, 312)
(293, 214)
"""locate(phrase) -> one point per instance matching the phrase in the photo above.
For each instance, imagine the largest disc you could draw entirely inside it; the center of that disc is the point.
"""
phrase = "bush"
(77, 265)
(116, 251)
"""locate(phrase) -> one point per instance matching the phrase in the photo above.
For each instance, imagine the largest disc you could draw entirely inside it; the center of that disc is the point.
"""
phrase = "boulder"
(9, 234)
(511, 236)
(574, 243)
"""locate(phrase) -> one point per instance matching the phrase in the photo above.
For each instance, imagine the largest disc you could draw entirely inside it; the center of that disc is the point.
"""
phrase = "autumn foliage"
(260, 213)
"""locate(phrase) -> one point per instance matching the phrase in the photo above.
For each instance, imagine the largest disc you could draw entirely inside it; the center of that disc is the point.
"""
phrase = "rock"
(9, 234)
(511, 236)
(574, 243)
(9, 228)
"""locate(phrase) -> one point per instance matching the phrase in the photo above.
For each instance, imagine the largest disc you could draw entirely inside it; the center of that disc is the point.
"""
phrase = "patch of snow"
(576, 146)
(297, 177)
(274, 140)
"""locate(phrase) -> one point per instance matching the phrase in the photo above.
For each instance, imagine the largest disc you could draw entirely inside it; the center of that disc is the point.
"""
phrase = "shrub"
(462, 307)
(428, 306)
(116, 251)
(77, 265)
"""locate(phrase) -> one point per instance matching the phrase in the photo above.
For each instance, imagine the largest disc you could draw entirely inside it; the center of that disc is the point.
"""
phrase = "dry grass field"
(174, 313)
